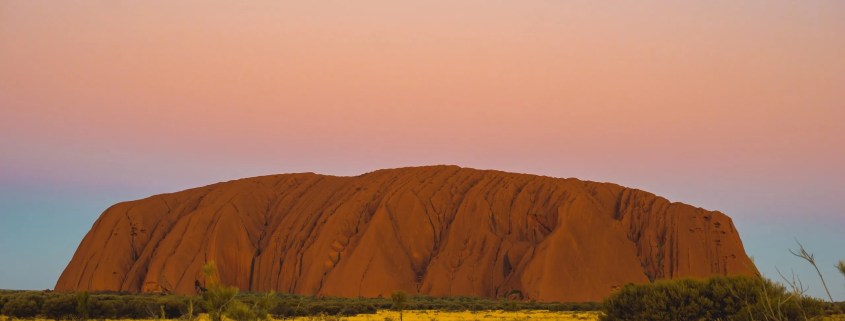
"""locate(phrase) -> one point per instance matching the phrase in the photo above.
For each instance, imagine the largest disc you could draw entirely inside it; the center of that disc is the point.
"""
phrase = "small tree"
(240, 311)
(189, 310)
(264, 305)
(841, 267)
(399, 299)
(217, 298)
(83, 305)
(811, 258)
(258, 311)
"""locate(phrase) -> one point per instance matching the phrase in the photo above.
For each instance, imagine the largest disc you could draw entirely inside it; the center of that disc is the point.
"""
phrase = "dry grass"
(427, 315)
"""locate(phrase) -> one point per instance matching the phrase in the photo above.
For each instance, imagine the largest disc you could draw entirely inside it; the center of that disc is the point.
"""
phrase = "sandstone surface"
(436, 230)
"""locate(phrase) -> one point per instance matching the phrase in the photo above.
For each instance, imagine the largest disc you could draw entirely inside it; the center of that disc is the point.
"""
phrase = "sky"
(736, 106)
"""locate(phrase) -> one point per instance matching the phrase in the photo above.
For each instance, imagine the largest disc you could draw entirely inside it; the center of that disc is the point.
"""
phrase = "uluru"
(435, 230)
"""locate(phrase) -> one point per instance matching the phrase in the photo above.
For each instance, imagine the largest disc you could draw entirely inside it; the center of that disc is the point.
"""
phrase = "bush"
(217, 298)
(734, 298)
(239, 311)
(23, 306)
(188, 314)
(399, 299)
(172, 306)
(59, 307)
(83, 305)
(255, 309)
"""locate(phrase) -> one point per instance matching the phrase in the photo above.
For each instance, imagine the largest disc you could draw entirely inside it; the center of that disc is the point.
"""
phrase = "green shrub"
(399, 299)
(83, 305)
(217, 298)
(59, 307)
(264, 305)
(734, 298)
(188, 315)
(172, 306)
(240, 311)
(105, 309)
(23, 306)
(253, 308)
(140, 307)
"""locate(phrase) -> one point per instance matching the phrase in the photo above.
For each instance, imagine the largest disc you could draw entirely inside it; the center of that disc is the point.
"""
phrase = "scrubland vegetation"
(725, 298)
(719, 298)
(722, 298)
(219, 302)
(64, 306)
(734, 298)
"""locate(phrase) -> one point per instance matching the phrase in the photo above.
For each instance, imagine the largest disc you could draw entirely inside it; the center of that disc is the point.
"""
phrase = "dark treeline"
(65, 306)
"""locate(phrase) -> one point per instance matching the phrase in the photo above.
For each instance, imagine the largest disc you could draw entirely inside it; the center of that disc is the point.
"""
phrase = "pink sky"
(728, 105)
(725, 89)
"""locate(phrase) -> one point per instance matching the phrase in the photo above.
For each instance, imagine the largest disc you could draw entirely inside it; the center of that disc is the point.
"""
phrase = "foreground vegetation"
(429, 315)
(64, 306)
(713, 299)
(719, 298)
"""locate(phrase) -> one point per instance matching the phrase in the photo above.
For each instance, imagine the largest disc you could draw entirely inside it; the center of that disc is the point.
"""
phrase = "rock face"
(440, 230)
